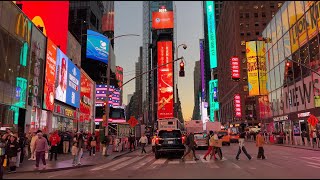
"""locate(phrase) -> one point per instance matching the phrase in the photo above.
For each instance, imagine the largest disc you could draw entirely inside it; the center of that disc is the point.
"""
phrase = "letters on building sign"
(35, 101)
(305, 114)
(23, 27)
(281, 118)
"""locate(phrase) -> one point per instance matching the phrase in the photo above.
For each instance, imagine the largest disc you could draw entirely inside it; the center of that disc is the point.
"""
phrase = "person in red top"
(54, 142)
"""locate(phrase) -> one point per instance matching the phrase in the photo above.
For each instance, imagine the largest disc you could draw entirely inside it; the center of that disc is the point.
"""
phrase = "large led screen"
(67, 81)
(87, 86)
(97, 46)
(50, 76)
(50, 16)
(165, 80)
(162, 20)
(212, 33)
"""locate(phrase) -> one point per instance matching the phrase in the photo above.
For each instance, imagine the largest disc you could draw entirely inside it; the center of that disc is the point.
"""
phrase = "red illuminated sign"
(85, 97)
(235, 68)
(52, 17)
(237, 105)
(162, 20)
(165, 80)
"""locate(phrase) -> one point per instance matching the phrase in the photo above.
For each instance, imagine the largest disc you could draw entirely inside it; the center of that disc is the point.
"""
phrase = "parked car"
(201, 140)
(234, 137)
(169, 142)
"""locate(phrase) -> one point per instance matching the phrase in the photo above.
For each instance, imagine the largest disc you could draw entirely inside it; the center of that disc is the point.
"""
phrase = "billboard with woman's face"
(61, 76)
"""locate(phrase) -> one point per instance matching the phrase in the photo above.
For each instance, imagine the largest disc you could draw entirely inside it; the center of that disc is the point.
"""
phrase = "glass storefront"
(63, 124)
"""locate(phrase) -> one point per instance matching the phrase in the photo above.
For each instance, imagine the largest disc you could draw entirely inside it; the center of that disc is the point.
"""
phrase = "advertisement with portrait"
(86, 100)
(50, 76)
(67, 81)
(264, 107)
(74, 49)
(165, 80)
(44, 15)
(37, 61)
(97, 46)
(162, 20)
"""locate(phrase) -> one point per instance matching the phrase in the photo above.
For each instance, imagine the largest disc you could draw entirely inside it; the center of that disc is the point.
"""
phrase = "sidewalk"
(292, 146)
(65, 161)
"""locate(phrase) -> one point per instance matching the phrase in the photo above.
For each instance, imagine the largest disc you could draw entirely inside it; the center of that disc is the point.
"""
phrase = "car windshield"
(198, 136)
(170, 134)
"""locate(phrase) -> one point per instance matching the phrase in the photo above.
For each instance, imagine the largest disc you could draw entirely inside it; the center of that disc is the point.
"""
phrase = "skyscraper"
(197, 91)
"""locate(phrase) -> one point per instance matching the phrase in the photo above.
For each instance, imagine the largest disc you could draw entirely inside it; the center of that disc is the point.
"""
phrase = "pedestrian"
(12, 149)
(54, 142)
(92, 144)
(32, 146)
(318, 137)
(19, 151)
(217, 146)
(74, 152)
(191, 146)
(304, 136)
(22, 143)
(131, 142)
(81, 146)
(66, 142)
(241, 146)
(153, 144)
(2, 155)
(314, 139)
(41, 148)
(210, 145)
(259, 144)
(143, 140)
(296, 135)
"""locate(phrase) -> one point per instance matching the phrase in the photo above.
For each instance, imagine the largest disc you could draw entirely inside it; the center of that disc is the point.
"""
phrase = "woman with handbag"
(92, 144)
(12, 149)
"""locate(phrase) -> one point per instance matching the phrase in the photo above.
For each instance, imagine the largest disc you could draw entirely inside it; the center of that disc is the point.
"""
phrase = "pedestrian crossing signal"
(181, 72)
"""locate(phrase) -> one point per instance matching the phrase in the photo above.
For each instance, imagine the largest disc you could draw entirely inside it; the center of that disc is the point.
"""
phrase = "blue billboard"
(67, 86)
(97, 46)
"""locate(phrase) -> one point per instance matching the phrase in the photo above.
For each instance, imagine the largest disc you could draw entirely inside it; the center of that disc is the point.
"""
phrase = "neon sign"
(211, 33)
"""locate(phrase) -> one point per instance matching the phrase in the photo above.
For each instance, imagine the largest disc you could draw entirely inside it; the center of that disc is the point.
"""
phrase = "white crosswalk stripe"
(236, 166)
(174, 162)
(190, 162)
(157, 163)
(121, 165)
(142, 163)
(110, 164)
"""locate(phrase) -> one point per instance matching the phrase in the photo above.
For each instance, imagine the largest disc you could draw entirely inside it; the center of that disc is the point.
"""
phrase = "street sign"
(133, 121)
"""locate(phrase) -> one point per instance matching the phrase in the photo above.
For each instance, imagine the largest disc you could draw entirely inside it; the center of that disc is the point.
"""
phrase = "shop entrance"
(303, 125)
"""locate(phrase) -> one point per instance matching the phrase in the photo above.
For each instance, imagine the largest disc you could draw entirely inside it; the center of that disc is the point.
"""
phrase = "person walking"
(12, 149)
(314, 138)
(92, 144)
(2, 155)
(131, 142)
(74, 152)
(32, 146)
(259, 144)
(54, 140)
(81, 146)
(217, 146)
(66, 142)
(143, 140)
(210, 140)
(191, 147)
(23, 143)
(41, 148)
(241, 146)
(318, 138)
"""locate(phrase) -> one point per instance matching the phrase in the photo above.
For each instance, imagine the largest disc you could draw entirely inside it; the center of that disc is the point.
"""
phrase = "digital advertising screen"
(162, 20)
(50, 76)
(97, 46)
(165, 80)
(85, 94)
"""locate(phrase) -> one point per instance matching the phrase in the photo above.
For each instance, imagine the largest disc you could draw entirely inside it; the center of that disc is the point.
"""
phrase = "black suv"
(169, 142)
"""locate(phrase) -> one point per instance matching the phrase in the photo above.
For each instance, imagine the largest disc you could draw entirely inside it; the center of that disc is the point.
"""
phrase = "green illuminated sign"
(214, 105)
(211, 22)
(21, 90)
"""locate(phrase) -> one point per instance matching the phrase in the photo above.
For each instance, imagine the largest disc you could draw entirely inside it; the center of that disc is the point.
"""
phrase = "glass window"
(271, 58)
(280, 50)
(263, 14)
(272, 83)
(247, 15)
(269, 82)
(241, 15)
(299, 9)
(256, 15)
(279, 98)
(278, 26)
(275, 54)
(287, 46)
(256, 24)
(284, 14)
(304, 59)
(281, 74)
(257, 33)
(314, 53)
(248, 33)
(312, 25)
(268, 60)
(296, 67)
(277, 77)
(269, 35)
(292, 14)
(273, 31)
(274, 105)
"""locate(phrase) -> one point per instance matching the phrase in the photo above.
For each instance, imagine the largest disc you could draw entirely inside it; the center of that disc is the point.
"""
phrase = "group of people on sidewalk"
(215, 143)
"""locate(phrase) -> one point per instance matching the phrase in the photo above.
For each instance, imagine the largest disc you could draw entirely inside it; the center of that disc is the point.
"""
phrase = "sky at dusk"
(128, 20)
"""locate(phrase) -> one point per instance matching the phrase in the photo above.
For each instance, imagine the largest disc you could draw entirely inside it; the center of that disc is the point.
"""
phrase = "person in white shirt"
(143, 140)
(61, 91)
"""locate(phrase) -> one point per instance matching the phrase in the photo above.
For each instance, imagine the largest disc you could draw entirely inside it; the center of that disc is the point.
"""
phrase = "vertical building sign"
(203, 86)
(237, 105)
(213, 94)
(235, 68)
(211, 33)
(165, 80)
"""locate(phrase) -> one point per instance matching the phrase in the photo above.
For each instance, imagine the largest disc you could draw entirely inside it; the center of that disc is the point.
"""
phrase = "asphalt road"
(281, 162)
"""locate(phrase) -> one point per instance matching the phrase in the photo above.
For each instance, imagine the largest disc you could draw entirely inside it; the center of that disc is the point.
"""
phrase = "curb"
(52, 170)
(296, 147)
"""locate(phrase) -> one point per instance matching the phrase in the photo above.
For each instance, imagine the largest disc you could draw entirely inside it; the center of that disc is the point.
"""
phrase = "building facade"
(197, 91)
(242, 21)
(293, 91)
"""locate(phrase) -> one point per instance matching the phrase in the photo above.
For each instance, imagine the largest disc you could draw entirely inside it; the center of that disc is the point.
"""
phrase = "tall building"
(138, 85)
(129, 96)
(108, 20)
(218, 11)
(242, 21)
(197, 91)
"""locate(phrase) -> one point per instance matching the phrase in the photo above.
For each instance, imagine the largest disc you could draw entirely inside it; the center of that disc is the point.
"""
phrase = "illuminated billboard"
(50, 76)
(101, 94)
(257, 77)
(162, 20)
(202, 71)
(52, 17)
(97, 46)
(86, 88)
(67, 80)
(108, 21)
(211, 22)
(237, 105)
(165, 80)
(235, 68)
(213, 98)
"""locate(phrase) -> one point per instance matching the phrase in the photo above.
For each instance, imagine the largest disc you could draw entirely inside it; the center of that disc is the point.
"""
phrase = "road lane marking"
(236, 166)
(271, 165)
(142, 163)
(317, 164)
(110, 164)
(174, 162)
(252, 168)
(157, 163)
(190, 162)
(313, 166)
(126, 163)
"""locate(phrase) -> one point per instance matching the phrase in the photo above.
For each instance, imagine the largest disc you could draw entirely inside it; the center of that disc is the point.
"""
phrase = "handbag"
(93, 143)
(5, 162)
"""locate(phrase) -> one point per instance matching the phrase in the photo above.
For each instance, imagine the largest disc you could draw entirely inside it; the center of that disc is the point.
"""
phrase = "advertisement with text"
(162, 20)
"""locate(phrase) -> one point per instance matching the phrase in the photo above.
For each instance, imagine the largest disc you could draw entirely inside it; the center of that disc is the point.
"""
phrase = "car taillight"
(183, 139)
(157, 140)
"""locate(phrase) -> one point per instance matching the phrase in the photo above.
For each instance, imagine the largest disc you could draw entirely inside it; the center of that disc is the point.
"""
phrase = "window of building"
(255, 7)
(256, 24)
(263, 14)
(243, 51)
(243, 43)
(248, 33)
(241, 15)
(242, 34)
(296, 67)
(241, 24)
(256, 15)
(314, 53)
(257, 33)
(304, 59)
(262, 6)
(247, 15)
(264, 24)
(271, 5)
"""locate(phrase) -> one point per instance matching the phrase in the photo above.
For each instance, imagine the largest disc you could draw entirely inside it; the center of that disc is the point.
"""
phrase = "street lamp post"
(176, 96)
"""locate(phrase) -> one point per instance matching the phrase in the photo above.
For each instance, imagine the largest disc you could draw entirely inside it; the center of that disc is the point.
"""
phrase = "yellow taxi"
(225, 137)
(234, 137)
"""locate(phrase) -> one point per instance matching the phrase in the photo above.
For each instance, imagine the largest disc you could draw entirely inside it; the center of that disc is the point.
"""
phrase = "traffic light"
(181, 72)
(288, 68)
